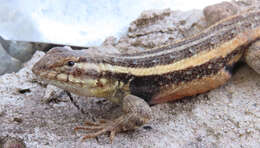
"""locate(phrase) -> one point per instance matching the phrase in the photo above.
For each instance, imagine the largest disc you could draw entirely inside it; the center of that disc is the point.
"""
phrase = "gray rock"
(8, 64)
(252, 56)
(155, 28)
(42, 46)
(216, 12)
(20, 50)
(4, 43)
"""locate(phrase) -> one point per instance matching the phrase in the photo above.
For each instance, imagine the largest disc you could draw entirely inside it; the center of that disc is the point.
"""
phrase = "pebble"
(10, 142)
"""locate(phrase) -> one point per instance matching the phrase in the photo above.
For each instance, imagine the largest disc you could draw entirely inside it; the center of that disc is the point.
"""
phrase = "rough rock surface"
(10, 142)
(252, 56)
(219, 11)
(43, 116)
(216, 12)
(159, 27)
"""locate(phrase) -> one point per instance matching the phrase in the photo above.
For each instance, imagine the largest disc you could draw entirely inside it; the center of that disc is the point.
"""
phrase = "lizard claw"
(99, 128)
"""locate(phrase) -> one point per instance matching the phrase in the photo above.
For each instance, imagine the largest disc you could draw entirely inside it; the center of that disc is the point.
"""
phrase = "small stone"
(18, 120)
(10, 142)
(2, 111)
(216, 12)
(52, 92)
(252, 56)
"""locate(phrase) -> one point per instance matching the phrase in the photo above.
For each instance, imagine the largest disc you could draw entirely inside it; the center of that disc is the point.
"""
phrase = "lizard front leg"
(136, 112)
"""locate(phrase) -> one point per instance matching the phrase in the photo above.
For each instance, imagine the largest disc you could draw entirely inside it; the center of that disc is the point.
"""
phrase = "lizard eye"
(70, 63)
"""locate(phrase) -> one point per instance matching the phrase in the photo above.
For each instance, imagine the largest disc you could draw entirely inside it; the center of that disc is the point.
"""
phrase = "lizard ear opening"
(70, 63)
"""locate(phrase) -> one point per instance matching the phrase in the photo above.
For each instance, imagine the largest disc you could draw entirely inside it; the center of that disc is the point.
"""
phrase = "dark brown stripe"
(188, 74)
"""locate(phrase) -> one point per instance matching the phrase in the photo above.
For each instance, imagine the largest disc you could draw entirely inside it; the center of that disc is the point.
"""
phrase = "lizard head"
(74, 71)
(57, 61)
(61, 67)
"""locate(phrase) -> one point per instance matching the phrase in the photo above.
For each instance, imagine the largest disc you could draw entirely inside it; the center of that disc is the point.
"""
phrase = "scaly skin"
(192, 66)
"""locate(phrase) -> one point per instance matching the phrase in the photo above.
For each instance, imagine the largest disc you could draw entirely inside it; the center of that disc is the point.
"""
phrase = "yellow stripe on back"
(196, 60)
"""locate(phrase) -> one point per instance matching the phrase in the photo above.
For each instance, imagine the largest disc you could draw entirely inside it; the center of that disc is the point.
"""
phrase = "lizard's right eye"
(70, 63)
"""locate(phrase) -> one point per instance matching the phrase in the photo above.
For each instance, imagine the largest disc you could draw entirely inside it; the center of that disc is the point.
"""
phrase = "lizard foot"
(136, 113)
(100, 127)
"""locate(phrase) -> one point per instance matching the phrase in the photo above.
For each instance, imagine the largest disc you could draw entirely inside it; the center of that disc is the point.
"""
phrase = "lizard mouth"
(41, 70)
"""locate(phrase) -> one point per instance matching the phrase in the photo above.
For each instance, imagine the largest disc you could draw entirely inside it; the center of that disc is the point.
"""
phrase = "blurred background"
(80, 22)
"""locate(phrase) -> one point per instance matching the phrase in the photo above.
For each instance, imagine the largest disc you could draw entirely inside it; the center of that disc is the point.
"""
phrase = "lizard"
(136, 81)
